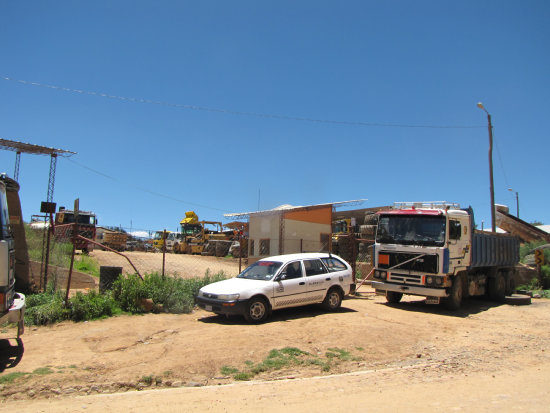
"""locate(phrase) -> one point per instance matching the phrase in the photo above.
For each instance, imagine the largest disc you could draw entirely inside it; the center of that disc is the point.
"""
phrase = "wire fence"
(179, 256)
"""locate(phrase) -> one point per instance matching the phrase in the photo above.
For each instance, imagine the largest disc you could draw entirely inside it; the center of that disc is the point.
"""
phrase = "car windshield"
(411, 230)
(261, 270)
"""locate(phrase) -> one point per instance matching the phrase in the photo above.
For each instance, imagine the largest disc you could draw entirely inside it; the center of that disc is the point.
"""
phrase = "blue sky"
(364, 99)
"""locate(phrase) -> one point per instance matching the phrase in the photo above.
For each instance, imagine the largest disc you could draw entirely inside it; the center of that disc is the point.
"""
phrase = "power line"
(158, 194)
(236, 112)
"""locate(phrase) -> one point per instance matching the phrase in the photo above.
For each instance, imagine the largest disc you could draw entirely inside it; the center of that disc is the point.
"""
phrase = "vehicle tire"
(497, 288)
(517, 299)
(393, 297)
(511, 285)
(333, 299)
(257, 310)
(371, 219)
(454, 300)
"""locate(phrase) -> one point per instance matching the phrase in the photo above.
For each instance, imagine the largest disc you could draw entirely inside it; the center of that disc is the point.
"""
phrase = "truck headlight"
(429, 280)
(380, 274)
(228, 297)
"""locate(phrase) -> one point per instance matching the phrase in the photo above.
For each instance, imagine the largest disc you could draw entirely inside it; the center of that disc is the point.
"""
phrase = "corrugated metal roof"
(287, 207)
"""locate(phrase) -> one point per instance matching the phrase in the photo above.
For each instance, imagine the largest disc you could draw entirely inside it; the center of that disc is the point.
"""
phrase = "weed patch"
(278, 359)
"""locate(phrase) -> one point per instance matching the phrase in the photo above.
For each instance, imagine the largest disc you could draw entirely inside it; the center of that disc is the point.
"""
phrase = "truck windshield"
(411, 230)
(261, 270)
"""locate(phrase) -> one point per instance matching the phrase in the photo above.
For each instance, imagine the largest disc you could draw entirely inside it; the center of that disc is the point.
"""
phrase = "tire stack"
(209, 249)
(222, 248)
(345, 248)
(367, 231)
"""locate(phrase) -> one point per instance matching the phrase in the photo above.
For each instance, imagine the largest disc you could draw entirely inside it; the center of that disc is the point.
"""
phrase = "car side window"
(334, 264)
(314, 267)
(293, 270)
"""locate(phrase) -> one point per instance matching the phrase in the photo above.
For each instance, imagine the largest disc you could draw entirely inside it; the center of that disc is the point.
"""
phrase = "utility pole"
(491, 185)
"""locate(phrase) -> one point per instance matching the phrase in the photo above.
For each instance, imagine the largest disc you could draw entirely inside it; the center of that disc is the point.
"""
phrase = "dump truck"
(12, 303)
(87, 222)
(433, 250)
(115, 240)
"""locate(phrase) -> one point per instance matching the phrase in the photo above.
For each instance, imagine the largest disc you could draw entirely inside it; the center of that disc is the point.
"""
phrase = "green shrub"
(46, 309)
(175, 295)
(92, 306)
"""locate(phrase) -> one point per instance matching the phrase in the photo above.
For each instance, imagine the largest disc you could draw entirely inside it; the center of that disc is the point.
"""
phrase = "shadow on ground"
(282, 315)
(469, 307)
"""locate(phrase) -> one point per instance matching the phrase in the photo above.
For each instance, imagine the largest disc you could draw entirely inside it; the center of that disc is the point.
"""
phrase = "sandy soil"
(409, 352)
(183, 265)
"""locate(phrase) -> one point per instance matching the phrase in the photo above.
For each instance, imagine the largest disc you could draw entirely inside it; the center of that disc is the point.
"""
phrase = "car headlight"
(200, 294)
(429, 280)
(228, 297)
(439, 280)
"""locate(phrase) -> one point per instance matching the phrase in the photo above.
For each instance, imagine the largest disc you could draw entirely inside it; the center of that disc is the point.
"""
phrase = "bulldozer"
(203, 237)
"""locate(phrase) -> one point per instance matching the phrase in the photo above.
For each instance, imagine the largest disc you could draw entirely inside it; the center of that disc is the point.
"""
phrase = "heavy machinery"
(115, 240)
(12, 304)
(158, 240)
(203, 237)
(87, 222)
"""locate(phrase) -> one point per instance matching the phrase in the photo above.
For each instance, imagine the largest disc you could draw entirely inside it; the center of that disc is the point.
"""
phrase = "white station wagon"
(279, 282)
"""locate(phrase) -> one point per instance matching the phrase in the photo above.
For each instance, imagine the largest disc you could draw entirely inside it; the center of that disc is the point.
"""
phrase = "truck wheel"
(257, 310)
(454, 300)
(511, 285)
(497, 288)
(333, 300)
(393, 297)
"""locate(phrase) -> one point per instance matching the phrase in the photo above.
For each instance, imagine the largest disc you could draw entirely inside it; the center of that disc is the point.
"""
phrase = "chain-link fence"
(183, 256)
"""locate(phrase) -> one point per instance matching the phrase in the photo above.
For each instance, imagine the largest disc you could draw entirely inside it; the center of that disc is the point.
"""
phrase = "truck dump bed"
(490, 249)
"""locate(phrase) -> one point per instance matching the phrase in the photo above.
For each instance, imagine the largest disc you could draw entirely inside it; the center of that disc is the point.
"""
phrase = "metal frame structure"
(22, 147)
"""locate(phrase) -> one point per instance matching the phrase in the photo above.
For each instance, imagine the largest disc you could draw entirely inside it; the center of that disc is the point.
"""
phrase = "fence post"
(163, 251)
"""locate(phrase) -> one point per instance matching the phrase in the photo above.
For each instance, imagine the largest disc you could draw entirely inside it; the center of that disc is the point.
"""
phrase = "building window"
(251, 252)
(264, 247)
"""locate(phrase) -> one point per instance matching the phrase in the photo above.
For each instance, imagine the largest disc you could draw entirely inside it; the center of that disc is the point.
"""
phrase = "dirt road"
(496, 355)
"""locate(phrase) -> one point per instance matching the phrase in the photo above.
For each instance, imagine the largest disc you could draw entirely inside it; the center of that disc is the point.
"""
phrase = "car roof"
(299, 256)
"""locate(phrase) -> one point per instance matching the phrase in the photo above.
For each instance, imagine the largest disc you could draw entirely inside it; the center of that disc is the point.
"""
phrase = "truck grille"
(405, 278)
(427, 263)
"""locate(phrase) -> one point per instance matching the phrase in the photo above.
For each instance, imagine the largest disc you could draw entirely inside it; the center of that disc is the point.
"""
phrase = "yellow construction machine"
(202, 237)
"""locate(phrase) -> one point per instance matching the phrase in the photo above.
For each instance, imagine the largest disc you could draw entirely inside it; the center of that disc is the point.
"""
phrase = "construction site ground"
(410, 356)
(183, 265)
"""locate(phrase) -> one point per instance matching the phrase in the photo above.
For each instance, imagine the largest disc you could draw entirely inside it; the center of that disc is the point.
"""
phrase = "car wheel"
(393, 297)
(333, 300)
(257, 310)
(454, 300)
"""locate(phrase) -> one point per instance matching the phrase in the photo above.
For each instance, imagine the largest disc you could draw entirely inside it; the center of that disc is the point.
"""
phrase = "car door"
(318, 280)
(290, 289)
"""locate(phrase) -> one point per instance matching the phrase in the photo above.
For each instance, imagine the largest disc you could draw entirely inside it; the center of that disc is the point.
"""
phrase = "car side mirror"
(281, 276)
